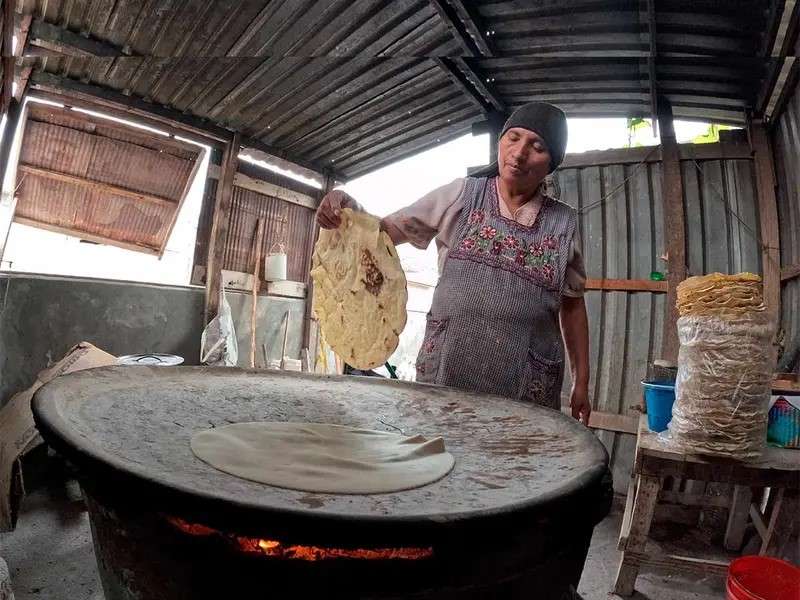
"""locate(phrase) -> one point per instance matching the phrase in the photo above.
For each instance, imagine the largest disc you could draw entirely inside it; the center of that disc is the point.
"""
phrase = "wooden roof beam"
(778, 41)
(475, 27)
(97, 186)
(651, 63)
(7, 58)
(456, 28)
(472, 83)
(136, 108)
(63, 41)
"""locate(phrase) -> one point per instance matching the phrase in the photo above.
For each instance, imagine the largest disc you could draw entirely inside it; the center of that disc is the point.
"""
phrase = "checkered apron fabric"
(493, 326)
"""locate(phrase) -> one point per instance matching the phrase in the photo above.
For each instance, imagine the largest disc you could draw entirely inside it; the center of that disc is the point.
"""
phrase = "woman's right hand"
(329, 213)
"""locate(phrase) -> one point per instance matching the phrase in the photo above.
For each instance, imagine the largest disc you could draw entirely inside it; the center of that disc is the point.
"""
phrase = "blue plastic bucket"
(659, 396)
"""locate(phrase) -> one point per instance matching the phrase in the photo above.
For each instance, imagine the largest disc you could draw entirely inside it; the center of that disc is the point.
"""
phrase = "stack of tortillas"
(360, 290)
(725, 366)
(721, 295)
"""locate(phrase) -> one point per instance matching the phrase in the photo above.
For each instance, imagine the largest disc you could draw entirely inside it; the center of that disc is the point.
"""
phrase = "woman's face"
(523, 158)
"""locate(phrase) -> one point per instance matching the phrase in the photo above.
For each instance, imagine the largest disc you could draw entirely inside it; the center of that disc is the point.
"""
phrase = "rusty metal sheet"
(95, 150)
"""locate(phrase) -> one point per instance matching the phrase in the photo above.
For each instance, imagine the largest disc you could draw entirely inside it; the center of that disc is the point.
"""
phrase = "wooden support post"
(496, 121)
(10, 148)
(775, 511)
(256, 288)
(672, 197)
(219, 227)
(768, 218)
(327, 186)
(7, 57)
(7, 143)
(737, 517)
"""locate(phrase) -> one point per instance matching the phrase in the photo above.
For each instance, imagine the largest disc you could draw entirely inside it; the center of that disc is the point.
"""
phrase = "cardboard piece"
(18, 434)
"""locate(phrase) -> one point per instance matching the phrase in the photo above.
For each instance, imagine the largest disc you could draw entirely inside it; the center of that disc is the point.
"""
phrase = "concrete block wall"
(42, 317)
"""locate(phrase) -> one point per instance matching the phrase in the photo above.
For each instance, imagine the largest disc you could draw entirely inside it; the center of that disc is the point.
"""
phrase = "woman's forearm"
(575, 330)
(398, 235)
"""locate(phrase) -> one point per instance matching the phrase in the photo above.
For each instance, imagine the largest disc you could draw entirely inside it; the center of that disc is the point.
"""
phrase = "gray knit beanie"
(546, 120)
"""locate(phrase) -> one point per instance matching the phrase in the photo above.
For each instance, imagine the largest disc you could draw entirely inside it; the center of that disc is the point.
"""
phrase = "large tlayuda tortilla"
(359, 290)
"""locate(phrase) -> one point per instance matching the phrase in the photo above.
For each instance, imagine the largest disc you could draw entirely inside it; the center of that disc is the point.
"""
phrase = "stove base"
(140, 556)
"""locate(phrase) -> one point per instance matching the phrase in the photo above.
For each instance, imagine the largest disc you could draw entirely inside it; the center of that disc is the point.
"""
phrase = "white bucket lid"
(159, 360)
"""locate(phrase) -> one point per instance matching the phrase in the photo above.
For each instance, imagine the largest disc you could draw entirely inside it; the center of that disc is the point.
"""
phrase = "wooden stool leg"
(773, 518)
(641, 517)
(737, 519)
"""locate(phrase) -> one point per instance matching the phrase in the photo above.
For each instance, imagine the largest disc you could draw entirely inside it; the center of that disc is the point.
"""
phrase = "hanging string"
(635, 170)
(764, 247)
(718, 195)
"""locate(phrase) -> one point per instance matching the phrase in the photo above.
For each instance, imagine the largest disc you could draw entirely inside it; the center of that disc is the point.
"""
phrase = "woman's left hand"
(580, 404)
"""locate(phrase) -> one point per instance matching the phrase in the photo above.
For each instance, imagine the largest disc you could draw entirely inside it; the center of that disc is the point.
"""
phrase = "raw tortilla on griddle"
(323, 458)
(360, 290)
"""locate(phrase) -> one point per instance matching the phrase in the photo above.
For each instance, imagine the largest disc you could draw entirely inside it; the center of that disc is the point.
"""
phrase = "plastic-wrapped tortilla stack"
(725, 366)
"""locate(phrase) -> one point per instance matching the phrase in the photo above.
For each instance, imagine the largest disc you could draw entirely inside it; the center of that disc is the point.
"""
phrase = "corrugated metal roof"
(352, 85)
(100, 180)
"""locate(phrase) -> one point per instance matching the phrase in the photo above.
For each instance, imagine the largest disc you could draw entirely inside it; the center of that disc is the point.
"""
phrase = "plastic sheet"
(723, 386)
(218, 344)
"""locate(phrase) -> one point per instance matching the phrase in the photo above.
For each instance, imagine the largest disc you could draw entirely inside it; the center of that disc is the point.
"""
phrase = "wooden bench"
(777, 469)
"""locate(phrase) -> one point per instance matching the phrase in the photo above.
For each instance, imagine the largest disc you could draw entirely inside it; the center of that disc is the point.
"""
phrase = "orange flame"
(308, 553)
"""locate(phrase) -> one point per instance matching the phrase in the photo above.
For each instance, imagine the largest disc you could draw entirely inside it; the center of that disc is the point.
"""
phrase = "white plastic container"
(275, 264)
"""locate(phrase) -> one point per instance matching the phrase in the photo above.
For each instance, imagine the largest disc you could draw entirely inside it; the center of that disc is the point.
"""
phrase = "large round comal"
(513, 519)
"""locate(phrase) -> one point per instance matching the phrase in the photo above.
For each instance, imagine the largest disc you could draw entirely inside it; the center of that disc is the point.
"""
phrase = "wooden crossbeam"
(89, 237)
(474, 26)
(449, 68)
(98, 186)
(790, 272)
(455, 27)
(465, 77)
(63, 41)
(781, 28)
(156, 115)
(267, 188)
(627, 285)
(478, 80)
(679, 564)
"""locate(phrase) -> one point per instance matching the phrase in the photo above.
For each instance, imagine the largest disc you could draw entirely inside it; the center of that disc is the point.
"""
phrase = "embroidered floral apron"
(494, 322)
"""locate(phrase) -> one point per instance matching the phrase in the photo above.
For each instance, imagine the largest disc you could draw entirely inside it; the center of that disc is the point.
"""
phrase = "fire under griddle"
(512, 520)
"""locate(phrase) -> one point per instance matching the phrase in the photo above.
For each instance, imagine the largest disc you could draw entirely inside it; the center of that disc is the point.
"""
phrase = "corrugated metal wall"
(284, 223)
(622, 237)
(721, 208)
(786, 140)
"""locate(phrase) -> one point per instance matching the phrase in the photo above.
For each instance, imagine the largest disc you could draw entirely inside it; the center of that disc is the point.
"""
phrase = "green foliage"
(636, 125)
(711, 135)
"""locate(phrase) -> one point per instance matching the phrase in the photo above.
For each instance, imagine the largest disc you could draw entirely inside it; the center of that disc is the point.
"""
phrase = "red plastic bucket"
(762, 578)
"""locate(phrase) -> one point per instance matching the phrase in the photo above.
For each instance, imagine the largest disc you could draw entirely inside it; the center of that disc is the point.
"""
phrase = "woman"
(510, 291)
